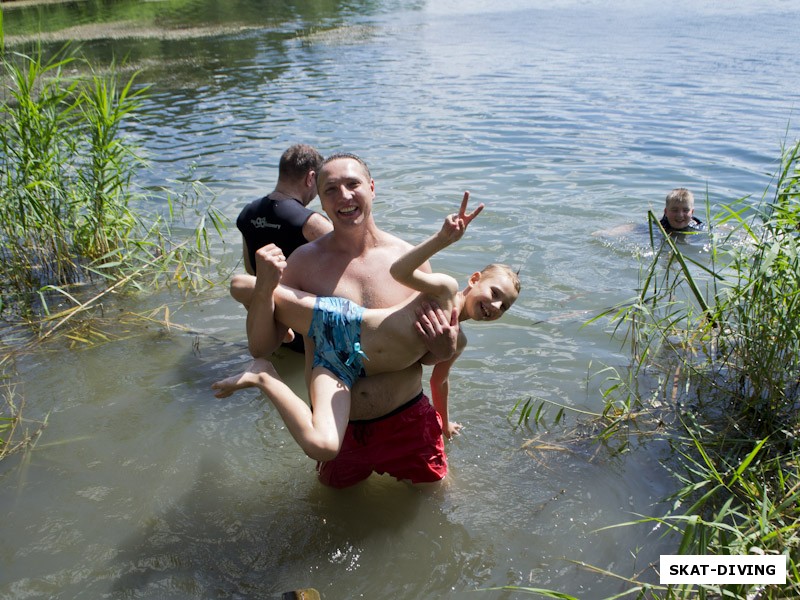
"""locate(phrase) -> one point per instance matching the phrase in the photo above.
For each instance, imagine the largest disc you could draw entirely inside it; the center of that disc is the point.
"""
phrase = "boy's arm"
(406, 268)
(440, 389)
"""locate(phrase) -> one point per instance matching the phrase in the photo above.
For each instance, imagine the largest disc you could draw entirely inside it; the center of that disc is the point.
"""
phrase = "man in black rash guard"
(281, 217)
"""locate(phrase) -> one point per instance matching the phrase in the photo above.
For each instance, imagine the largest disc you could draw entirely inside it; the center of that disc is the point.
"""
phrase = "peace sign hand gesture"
(456, 224)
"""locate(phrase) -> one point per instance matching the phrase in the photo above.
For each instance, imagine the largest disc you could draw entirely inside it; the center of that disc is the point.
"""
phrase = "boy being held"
(351, 341)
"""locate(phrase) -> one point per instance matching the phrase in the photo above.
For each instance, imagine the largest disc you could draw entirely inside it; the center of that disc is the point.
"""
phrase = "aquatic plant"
(74, 229)
(715, 371)
(69, 210)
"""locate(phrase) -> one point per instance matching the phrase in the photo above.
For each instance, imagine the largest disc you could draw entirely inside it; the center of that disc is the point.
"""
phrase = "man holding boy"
(393, 428)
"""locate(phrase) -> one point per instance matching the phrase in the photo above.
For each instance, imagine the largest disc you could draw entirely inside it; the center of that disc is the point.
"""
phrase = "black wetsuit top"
(697, 225)
(267, 221)
(280, 222)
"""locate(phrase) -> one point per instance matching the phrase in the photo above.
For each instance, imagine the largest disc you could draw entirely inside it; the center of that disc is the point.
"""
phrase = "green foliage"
(73, 230)
(732, 355)
(760, 314)
(69, 212)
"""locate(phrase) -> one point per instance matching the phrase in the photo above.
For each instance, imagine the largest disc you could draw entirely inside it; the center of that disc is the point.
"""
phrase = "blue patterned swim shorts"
(336, 331)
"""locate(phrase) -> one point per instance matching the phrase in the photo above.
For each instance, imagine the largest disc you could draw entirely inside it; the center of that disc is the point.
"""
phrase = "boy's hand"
(452, 429)
(456, 224)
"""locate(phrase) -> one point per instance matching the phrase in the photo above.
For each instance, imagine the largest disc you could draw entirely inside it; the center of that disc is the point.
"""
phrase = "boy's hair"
(501, 269)
(681, 195)
(297, 161)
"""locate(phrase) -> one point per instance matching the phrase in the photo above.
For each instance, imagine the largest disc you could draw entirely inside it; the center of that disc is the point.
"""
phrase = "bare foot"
(250, 378)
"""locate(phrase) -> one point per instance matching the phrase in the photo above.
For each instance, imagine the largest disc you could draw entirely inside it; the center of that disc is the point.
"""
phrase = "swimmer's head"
(679, 208)
(490, 293)
(297, 171)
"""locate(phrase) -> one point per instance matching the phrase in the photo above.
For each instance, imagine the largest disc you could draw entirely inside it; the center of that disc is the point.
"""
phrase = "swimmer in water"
(679, 213)
(678, 218)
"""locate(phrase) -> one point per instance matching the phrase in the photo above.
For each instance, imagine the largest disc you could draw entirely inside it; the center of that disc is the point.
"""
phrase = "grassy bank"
(75, 230)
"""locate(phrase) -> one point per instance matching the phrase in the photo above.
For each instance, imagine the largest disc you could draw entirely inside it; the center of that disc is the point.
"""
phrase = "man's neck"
(284, 192)
(356, 240)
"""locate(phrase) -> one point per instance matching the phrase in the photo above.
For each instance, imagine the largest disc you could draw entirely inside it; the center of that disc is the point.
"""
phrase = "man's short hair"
(297, 161)
(351, 156)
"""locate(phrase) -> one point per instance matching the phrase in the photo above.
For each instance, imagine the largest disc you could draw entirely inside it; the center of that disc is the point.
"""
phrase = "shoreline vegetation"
(714, 374)
(75, 230)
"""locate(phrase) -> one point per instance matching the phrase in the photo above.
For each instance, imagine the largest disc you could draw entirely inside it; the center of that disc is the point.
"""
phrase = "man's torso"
(365, 279)
(267, 221)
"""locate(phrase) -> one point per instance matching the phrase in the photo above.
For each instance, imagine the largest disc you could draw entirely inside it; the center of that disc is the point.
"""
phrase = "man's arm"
(439, 333)
(264, 334)
(316, 226)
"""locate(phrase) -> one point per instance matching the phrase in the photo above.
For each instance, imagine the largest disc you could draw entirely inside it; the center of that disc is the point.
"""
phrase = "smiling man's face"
(346, 191)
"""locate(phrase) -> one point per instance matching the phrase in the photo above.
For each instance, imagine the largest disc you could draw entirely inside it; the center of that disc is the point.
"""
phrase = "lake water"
(564, 117)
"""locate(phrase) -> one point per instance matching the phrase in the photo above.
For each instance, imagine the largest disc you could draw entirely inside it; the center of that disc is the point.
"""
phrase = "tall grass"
(760, 315)
(69, 209)
(715, 370)
(74, 229)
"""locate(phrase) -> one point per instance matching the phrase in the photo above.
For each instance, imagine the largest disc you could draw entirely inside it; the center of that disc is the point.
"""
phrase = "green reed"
(725, 340)
(74, 228)
(70, 212)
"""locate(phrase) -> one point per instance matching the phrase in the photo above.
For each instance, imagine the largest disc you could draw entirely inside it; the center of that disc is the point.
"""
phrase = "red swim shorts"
(406, 444)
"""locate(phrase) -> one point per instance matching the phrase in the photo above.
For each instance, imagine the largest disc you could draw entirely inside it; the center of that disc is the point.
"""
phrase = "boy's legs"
(242, 291)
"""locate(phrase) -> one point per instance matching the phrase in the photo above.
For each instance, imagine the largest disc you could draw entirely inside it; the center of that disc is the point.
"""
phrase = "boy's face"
(490, 295)
(679, 214)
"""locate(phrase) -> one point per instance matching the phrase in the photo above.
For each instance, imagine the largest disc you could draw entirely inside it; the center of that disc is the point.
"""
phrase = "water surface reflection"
(565, 118)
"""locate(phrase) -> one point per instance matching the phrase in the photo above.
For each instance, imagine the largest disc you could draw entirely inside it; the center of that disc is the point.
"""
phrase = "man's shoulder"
(390, 241)
(311, 252)
(252, 208)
